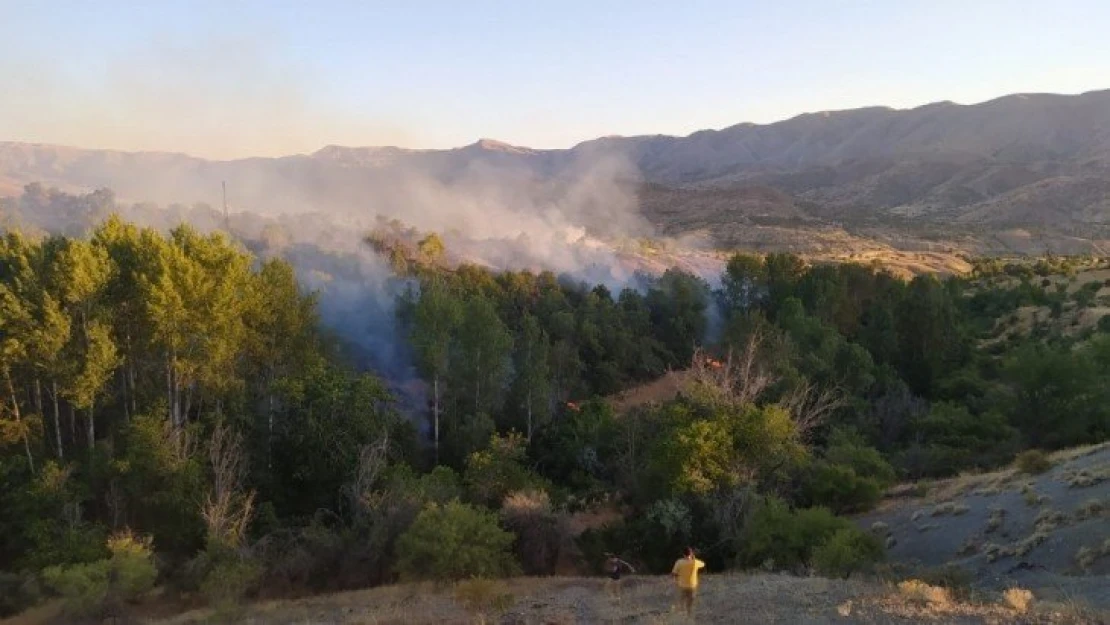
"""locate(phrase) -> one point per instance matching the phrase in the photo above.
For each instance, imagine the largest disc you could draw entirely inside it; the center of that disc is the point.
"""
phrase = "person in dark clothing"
(614, 566)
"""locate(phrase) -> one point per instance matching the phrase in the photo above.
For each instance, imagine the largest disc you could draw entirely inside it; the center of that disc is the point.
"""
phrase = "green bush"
(850, 478)
(454, 541)
(839, 488)
(228, 581)
(849, 449)
(1032, 461)
(540, 531)
(787, 538)
(99, 587)
(847, 551)
(499, 469)
(1104, 324)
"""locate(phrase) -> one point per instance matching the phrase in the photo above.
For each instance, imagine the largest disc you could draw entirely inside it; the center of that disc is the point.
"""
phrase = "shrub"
(1033, 462)
(483, 598)
(452, 542)
(956, 580)
(848, 449)
(499, 469)
(1104, 324)
(788, 538)
(847, 551)
(99, 587)
(1018, 599)
(839, 488)
(228, 581)
(919, 592)
(540, 531)
(1092, 508)
(656, 535)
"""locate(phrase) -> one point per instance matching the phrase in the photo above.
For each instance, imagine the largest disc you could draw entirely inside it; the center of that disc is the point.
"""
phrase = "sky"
(238, 78)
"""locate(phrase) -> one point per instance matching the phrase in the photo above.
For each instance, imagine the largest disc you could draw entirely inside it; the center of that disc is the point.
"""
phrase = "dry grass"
(1018, 599)
(1087, 555)
(951, 508)
(918, 592)
(1074, 453)
(1086, 478)
(970, 546)
(1048, 520)
(730, 598)
(1093, 508)
(998, 552)
(995, 520)
(654, 392)
(1031, 542)
(917, 601)
(1032, 497)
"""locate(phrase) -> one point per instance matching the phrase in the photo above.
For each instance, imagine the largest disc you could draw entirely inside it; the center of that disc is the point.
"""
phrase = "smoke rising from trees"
(566, 218)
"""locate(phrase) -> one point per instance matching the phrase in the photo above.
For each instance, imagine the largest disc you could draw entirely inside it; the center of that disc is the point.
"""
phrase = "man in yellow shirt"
(685, 571)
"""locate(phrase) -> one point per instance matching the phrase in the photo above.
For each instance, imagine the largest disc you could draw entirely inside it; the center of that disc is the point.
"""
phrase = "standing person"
(685, 571)
(613, 568)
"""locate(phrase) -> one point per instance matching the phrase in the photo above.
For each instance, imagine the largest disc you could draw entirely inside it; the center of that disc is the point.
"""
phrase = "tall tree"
(79, 273)
(14, 320)
(435, 317)
(533, 373)
(481, 355)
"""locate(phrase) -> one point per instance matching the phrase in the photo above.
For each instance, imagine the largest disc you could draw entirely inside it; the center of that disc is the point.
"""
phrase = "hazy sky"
(234, 78)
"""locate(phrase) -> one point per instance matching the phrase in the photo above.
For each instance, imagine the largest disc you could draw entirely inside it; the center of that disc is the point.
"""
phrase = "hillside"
(1049, 532)
(1022, 173)
(728, 598)
(648, 599)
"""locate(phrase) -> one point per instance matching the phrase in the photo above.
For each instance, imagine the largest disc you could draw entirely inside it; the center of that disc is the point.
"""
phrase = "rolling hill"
(1022, 173)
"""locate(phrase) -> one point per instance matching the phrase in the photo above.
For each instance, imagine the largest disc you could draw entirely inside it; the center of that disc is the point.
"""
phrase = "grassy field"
(730, 598)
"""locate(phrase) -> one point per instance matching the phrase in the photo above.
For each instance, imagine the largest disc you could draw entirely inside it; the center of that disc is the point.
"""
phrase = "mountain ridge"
(1030, 160)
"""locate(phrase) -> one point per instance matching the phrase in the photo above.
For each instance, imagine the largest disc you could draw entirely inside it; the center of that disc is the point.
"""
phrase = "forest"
(174, 414)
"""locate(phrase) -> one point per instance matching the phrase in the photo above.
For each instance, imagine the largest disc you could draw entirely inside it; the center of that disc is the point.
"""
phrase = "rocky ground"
(1049, 533)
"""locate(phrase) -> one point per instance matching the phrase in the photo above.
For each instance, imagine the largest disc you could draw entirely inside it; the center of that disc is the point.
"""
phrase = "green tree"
(435, 318)
(79, 274)
(499, 469)
(744, 283)
(532, 384)
(481, 357)
(455, 541)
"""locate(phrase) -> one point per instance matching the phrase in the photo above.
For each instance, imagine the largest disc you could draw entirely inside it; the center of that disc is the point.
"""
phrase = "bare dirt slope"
(1049, 532)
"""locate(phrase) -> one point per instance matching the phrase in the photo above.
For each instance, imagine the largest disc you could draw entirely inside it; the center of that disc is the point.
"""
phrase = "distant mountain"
(1034, 163)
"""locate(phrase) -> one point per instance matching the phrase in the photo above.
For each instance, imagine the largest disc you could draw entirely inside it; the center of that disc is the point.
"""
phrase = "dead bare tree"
(810, 405)
(372, 461)
(744, 379)
(739, 378)
(752, 378)
(227, 509)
